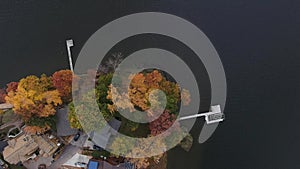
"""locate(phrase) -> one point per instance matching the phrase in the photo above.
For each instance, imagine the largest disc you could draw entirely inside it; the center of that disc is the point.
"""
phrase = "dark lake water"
(258, 42)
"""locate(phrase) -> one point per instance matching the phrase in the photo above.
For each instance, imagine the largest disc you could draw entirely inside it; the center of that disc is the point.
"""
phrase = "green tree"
(74, 122)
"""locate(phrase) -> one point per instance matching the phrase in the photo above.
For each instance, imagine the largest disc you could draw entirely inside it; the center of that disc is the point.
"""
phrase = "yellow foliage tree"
(34, 97)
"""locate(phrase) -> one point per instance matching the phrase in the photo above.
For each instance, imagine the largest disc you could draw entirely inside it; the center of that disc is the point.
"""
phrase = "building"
(5, 106)
(62, 123)
(78, 161)
(27, 147)
(99, 164)
(101, 138)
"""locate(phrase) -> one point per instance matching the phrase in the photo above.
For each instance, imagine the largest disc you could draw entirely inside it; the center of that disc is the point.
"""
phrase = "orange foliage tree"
(62, 81)
(139, 93)
(12, 86)
(2, 95)
(163, 123)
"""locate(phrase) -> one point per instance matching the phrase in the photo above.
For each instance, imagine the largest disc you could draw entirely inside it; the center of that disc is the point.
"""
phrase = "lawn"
(8, 117)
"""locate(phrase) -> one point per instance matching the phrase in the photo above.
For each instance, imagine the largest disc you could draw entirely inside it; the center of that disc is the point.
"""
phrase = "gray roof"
(101, 138)
(62, 123)
(3, 144)
(115, 125)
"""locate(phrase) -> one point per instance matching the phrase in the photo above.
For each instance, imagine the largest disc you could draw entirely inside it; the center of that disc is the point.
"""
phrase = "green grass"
(141, 131)
(16, 167)
(9, 116)
(4, 132)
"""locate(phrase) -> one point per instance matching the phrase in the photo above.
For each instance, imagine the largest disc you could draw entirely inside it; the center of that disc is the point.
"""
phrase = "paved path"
(33, 164)
(80, 142)
(68, 153)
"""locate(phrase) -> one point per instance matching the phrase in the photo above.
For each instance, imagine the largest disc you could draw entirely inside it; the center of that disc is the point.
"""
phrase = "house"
(46, 146)
(78, 161)
(101, 138)
(62, 123)
(99, 164)
(27, 147)
(19, 149)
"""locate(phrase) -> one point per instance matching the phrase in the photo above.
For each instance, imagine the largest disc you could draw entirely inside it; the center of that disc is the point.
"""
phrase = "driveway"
(68, 152)
(33, 164)
(80, 142)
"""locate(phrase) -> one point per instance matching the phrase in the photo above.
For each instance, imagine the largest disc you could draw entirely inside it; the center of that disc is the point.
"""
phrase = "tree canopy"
(2, 95)
(34, 97)
(62, 81)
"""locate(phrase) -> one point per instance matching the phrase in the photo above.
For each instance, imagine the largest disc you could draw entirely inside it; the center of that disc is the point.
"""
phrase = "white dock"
(215, 115)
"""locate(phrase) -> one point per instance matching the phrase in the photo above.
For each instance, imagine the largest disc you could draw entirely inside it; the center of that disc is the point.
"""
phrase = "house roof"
(62, 123)
(105, 165)
(19, 149)
(101, 138)
(45, 144)
(3, 144)
(93, 165)
(77, 158)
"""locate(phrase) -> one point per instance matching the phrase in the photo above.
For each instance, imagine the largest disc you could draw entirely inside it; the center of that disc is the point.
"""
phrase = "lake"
(258, 43)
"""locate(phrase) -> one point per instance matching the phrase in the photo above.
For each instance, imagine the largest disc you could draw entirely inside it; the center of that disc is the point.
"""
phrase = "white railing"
(215, 115)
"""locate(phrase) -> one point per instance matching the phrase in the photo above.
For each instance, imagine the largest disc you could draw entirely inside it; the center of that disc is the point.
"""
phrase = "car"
(76, 137)
(95, 147)
(42, 166)
(81, 164)
(58, 152)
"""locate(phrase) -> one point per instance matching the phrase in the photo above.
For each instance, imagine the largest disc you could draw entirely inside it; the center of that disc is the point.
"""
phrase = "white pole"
(69, 45)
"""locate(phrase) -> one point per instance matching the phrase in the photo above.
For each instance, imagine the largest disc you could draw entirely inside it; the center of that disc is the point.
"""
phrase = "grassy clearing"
(8, 116)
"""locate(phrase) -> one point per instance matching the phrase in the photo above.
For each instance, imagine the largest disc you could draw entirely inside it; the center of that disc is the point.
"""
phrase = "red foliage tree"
(2, 95)
(163, 123)
(12, 86)
(62, 81)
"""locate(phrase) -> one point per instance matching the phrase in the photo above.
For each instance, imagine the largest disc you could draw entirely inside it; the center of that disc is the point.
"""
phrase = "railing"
(213, 116)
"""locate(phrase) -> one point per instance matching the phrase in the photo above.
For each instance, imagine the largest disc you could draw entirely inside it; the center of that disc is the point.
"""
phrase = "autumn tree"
(36, 129)
(143, 84)
(40, 125)
(62, 81)
(12, 86)
(34, 97)
(2, 95)
(140, 92)
(163, 123)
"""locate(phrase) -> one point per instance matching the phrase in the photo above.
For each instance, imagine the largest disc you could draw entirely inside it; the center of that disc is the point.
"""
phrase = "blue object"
(93, 165)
